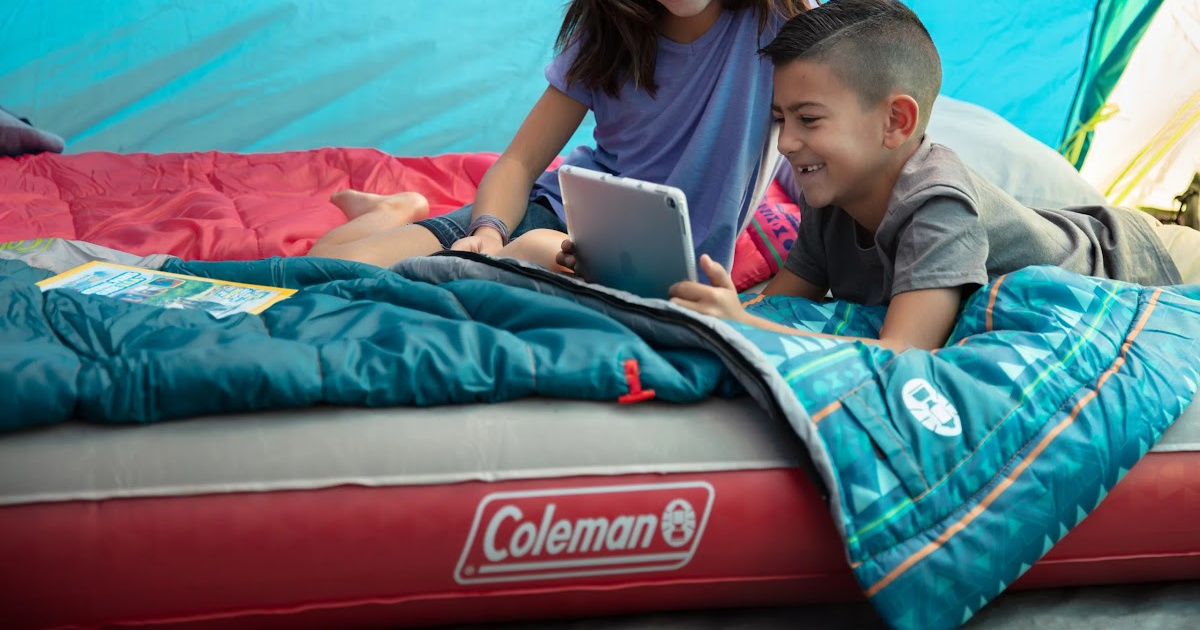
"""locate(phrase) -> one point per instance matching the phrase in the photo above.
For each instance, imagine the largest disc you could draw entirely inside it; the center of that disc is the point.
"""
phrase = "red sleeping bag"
(228, 206)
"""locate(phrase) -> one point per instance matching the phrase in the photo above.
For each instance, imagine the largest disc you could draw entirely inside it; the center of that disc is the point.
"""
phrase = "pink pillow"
(760, 251)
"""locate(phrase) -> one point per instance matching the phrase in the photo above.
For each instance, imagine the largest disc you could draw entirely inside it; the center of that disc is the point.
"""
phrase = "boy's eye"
(807, 120)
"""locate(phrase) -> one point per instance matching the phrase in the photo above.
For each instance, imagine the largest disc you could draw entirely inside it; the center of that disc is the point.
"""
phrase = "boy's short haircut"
(876, 47)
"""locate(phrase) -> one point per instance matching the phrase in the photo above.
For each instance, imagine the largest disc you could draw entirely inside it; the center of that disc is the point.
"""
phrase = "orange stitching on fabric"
(992, 302)
(965, 460)
(753, 300)
(828, 409)
(980, 446)
(991, 497)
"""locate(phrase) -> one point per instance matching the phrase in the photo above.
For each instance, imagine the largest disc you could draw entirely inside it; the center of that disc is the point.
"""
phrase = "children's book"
(167, 290)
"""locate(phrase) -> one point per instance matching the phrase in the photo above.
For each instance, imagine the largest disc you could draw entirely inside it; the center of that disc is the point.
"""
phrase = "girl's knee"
(414, 200)
(543, 236)
(540, 247)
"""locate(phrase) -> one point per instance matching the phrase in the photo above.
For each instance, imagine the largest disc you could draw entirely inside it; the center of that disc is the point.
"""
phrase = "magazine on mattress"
(167, 290)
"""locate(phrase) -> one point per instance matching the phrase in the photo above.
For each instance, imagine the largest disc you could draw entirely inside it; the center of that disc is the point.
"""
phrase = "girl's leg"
(383, 249)
(380, 230)
(370, 214)
(540, 247)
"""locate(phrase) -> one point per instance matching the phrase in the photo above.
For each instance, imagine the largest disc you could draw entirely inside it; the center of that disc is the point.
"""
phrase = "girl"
(680, 97)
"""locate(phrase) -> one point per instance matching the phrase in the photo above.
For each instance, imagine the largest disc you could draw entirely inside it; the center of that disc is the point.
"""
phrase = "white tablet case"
(629, 234)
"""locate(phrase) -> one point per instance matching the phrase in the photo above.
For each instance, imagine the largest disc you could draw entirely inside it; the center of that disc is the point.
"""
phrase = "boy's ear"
(903, 117)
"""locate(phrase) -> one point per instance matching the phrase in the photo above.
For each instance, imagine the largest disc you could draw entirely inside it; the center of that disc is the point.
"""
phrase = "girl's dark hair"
(617, 40)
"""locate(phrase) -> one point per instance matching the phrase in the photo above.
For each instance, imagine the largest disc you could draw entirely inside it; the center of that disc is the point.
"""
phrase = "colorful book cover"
(167, 290)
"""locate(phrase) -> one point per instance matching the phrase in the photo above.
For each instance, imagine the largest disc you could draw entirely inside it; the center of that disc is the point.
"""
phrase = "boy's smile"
(835, 146)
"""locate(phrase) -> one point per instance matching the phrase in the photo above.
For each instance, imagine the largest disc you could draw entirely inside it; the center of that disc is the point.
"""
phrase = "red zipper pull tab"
(633, 376)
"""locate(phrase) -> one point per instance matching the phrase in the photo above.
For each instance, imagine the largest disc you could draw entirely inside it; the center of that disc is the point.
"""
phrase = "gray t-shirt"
(948, 227)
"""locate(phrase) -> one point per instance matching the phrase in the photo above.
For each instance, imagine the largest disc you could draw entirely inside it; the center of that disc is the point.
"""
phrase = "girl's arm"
(504, 190)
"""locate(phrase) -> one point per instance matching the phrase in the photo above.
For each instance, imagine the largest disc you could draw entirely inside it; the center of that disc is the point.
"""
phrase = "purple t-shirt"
(703, 134)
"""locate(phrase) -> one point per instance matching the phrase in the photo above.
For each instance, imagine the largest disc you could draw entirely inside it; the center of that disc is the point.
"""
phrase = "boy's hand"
(484, 241)
(566, 257)
(719, 300)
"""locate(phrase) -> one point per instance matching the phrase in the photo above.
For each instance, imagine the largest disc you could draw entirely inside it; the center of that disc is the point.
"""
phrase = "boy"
(890, 218)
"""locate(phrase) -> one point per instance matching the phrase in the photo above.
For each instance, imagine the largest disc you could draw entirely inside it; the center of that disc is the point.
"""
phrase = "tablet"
(629, 235)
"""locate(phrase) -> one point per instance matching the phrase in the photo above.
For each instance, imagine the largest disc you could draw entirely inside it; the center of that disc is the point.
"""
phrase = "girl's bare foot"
(407, 206)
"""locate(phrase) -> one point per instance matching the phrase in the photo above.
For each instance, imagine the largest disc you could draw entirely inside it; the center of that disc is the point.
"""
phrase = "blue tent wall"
(1022, 60)
(412, 77)
(408, 76)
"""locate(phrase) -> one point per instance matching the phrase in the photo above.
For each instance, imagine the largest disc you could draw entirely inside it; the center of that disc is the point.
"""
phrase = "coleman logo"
(931, 408)
(549, 534)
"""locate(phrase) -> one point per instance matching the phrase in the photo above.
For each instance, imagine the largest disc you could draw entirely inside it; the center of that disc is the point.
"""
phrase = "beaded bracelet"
(492, 221)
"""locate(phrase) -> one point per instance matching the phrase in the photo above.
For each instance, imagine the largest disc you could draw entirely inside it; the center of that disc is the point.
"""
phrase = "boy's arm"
(787, 283)
(915, 319)
(923, 318)
(504, 190)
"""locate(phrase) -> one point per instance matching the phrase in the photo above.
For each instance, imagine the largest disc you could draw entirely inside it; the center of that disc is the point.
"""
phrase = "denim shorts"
(450, 227)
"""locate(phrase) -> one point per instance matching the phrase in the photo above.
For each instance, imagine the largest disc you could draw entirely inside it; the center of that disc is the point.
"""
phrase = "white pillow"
(1030, 171)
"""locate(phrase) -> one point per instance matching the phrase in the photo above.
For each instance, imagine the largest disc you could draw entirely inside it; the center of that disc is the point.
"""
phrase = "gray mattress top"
(324, 447)
(328, 446)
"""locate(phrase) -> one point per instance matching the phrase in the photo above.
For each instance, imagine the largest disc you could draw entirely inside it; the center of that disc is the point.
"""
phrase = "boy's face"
(833, 145)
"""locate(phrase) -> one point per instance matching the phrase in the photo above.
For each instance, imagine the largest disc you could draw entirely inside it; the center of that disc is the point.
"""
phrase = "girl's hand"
(566, 257)
(484, 241)
(719, 300)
